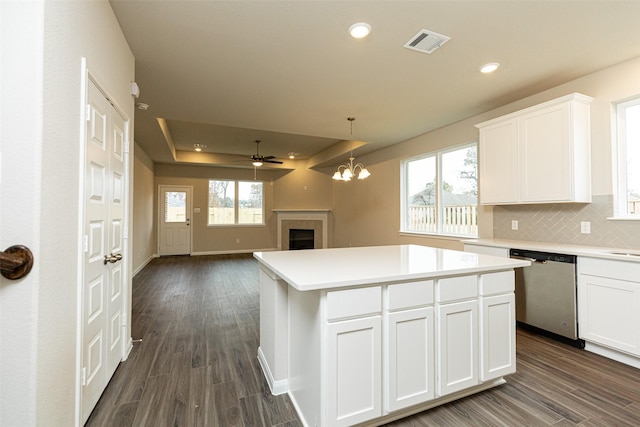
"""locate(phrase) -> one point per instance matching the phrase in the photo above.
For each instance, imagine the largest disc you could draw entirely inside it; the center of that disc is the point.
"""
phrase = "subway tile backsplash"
(560, 223)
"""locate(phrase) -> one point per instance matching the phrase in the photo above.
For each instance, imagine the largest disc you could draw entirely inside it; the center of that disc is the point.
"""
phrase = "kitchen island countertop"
(343, 267)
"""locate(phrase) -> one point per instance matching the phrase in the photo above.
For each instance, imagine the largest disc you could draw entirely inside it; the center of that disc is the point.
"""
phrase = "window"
(235, 202)
(440, 193)
(627, 202)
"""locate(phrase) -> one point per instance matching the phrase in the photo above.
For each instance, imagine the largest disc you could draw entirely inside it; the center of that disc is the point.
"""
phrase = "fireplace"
(301, 239)
(312, 221)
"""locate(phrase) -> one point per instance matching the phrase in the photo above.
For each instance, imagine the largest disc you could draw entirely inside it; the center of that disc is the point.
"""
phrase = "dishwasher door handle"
(524, 258)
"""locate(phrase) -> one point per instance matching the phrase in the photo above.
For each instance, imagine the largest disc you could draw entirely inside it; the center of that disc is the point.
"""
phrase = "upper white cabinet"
(537, 155)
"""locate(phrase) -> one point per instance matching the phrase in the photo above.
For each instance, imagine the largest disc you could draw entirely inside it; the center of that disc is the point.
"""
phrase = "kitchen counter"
(343, 267)
(364, 336)
(587, 251)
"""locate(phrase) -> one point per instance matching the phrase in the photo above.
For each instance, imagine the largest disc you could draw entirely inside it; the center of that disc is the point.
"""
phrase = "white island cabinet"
(364, 336)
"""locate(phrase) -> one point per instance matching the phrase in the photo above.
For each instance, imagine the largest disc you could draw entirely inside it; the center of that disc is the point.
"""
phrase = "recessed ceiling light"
(489, 68)
(359, 30)
(142, 106)
(199, 147)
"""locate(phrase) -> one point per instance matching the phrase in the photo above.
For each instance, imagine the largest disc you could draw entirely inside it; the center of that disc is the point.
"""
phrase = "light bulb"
(359, 30)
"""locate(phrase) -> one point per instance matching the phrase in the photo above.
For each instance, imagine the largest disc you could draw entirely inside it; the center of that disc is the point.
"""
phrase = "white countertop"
(307, 270)
(587, 251)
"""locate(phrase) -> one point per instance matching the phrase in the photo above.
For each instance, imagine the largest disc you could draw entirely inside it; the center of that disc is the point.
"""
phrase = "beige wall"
(367, 212)
(302, 189)
(143, 224)
(45, 43)
(210, 240)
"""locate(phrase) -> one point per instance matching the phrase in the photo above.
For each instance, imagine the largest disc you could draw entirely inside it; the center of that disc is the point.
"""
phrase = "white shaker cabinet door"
(546, 155)
(354, 371)
(498, 342)
(410, 359)
(498, 163)
(457, 346)
(609, 312)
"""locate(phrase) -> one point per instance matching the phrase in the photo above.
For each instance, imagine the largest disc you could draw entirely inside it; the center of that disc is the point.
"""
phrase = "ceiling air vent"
(426, 41)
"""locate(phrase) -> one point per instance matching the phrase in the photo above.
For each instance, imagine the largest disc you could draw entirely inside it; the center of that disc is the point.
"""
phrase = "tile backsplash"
(560, 223)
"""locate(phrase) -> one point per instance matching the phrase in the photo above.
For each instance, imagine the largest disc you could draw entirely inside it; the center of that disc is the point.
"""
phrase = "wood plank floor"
(198, 318)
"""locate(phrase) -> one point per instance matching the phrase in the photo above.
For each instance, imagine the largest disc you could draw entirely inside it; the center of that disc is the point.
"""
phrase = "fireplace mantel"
(288, 215)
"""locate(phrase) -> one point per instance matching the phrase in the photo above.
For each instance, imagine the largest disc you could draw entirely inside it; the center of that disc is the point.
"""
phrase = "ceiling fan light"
(257, 163)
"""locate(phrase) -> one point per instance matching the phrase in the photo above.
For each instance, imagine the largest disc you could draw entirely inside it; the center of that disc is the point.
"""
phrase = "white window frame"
(619, 148)
(236, 204)
(439, 207)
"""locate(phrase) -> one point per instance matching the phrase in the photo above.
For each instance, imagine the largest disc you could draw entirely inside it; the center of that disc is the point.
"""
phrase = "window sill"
(437, 236)
(624, 218)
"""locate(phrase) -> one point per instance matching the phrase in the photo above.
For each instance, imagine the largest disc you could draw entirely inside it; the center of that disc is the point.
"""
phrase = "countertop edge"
(563, 248)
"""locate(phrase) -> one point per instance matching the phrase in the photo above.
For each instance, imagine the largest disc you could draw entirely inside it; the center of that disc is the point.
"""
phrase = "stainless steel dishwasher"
(546, 294)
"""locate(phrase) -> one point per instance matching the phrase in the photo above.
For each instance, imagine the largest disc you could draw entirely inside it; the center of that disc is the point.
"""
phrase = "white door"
(104, 272)
(175, 220)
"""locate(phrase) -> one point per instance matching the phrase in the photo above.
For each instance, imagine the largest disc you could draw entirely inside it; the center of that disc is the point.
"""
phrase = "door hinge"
(85, 243)
(84, 376)
(124, 319)
(126, 146)
(88, 113)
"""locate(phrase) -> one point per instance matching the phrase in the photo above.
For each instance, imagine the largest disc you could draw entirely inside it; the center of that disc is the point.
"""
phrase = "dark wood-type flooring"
(198, 318)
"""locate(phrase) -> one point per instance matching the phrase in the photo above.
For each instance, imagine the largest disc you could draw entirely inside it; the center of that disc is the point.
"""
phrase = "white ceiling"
(225, 73)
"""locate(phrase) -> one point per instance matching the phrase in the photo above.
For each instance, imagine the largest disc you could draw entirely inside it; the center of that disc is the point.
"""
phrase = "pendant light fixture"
(349, 170)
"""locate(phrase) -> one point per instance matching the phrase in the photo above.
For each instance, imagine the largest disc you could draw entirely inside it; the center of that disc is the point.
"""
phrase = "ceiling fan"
(258, 159)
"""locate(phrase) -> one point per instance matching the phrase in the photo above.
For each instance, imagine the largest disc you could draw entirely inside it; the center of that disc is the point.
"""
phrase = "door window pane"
(222, 195)
(175, 206)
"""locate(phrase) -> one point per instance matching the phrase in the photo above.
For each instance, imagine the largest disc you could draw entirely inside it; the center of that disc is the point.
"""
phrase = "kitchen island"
(373, 334)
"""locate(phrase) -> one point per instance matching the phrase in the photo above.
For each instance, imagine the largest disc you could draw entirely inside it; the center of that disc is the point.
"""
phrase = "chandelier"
(349, 170)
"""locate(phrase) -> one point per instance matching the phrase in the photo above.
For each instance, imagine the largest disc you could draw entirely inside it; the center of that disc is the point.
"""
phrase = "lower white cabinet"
(354, 371)
(609, 312)
(498, 340)
(457, 346)
(410, 361)
(358, 354)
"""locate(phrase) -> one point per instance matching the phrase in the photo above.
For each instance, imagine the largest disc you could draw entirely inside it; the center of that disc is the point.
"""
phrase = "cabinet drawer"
(456, 288)
(354, 302)
(497, 283)
(408, 295)
(614, 269)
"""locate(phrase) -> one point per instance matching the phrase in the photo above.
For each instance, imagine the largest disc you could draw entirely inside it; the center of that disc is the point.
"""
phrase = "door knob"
(112, 258)
(16, 262)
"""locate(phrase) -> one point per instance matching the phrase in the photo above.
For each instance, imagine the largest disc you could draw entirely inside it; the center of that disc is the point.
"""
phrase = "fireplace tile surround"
(316, 220)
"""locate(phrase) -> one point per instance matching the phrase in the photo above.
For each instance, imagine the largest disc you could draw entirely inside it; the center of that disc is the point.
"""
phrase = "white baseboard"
(230, 252)
(276, 387)
(144, 264)
(627, 359)
(128, 349)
